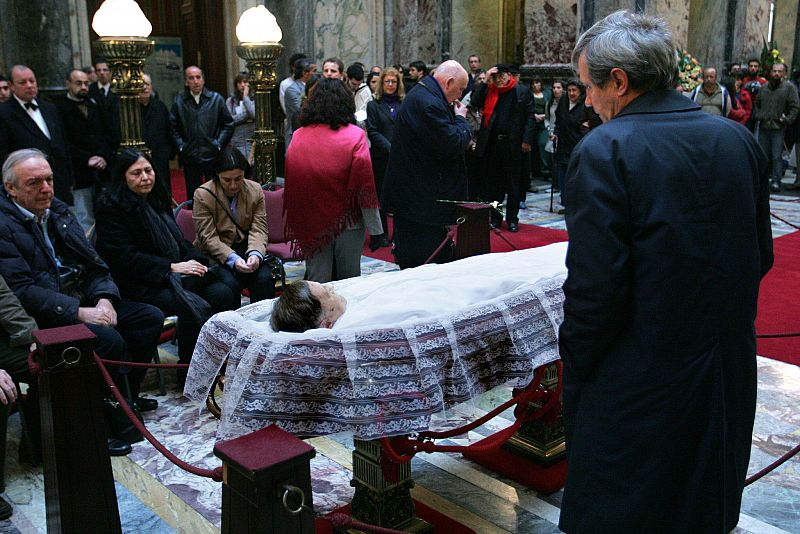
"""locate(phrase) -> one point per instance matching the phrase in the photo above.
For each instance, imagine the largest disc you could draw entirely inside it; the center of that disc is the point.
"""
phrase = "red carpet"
(441, 523)
(178, 184)
(779, 302)
(529, 236)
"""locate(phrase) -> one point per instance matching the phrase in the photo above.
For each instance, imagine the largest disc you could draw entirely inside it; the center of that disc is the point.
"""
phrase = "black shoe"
(561, 211)
(117, 447)
(523, 205)
(495, 224)
(146, 405)
(513, 227)
(775, 187)
(378, 241)
(5, 509)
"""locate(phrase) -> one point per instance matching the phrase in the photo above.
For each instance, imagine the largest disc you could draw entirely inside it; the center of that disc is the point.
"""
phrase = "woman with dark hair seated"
(330, 191)
(149, 258)
(231, 225)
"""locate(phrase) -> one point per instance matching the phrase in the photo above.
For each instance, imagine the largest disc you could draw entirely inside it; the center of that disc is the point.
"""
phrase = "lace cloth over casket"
(373, 383)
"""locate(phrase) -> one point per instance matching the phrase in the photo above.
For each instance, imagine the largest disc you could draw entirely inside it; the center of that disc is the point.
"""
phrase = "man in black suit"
(107, 103)
(27, 122)
(87, 143)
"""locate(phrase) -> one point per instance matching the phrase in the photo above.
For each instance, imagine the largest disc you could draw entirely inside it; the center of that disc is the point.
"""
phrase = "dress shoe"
(513, 227)
(5, 509)
(118, 447)
(495, 224)
(523, 205)
(561, 211)
(146, 405)
(775, 187)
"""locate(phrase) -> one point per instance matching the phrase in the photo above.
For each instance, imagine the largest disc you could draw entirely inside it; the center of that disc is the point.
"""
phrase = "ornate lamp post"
(259, 34)
(123, 30)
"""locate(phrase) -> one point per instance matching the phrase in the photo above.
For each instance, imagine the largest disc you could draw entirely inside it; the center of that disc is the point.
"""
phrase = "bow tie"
(31, 105)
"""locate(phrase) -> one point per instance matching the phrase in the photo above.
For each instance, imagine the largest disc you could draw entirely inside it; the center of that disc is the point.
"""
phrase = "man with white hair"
(61, 280)
(426, 164)
(667, 209)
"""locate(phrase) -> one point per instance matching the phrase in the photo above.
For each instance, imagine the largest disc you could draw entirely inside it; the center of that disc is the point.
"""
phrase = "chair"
(183, 216)
(277, 245)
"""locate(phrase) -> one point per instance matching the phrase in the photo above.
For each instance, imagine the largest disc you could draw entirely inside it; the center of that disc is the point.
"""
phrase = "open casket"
(389, 377)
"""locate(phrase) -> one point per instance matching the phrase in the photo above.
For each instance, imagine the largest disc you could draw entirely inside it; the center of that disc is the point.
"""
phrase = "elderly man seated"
(60, 279)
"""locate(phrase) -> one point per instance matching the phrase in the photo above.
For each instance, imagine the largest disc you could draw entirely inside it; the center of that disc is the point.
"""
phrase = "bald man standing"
(29, 122)
(426, 164)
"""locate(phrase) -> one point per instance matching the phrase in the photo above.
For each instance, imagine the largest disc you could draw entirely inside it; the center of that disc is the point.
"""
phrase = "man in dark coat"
(156, 133)
(29, 122)
(60, 279)
(426, 164)
(108, 103)
(201, 127)
(506, 133)
(86, 141)
(668, 217)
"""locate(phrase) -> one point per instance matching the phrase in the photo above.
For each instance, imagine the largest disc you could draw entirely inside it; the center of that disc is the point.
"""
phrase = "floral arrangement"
(690, 73)
(770, 54)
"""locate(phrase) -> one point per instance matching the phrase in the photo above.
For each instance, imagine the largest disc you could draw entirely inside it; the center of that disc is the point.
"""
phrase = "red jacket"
(741, 114)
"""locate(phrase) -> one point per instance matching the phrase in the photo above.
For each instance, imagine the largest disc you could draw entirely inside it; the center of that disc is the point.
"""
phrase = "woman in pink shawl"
(330, 191)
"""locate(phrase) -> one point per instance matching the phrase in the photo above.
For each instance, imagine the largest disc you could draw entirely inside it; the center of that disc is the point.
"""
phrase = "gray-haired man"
(668, 218)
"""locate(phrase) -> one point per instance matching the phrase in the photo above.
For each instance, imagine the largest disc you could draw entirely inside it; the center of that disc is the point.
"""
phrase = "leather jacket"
(200, 130)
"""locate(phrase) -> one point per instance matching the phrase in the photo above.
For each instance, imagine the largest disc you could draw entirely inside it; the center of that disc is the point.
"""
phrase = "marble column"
(786, 29)
(476, 29)
(754, 31)
(551, 29)
(417, 28)
(296, 19)
(38, 33)
(676, 14)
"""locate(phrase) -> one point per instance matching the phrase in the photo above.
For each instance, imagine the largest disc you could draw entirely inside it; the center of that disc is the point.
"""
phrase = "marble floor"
(156, 497)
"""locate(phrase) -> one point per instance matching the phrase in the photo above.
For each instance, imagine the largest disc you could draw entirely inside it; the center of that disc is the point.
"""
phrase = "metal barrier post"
(266, 485)
(79, 484)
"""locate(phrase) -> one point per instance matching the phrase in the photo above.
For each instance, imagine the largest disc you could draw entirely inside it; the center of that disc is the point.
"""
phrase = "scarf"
(160, 229)
(325, 192)
(392, 104)
(493, 96)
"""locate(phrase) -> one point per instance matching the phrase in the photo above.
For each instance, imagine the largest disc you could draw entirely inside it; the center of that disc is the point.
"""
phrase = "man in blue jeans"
(776, 108)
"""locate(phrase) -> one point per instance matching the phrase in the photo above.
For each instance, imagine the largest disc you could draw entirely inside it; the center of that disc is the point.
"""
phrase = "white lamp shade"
(121, 18)
(258, 25)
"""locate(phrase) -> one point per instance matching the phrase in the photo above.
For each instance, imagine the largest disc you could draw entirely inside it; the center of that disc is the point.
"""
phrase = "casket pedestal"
(382, 502)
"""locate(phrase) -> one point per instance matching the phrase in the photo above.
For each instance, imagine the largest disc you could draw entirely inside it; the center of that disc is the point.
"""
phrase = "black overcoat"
(521, 122)
(426, 161)
(139, 267)
(86, 136)
(668, 219)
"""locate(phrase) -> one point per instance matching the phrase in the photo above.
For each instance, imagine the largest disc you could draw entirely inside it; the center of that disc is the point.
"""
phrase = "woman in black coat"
(149, 258)
(381, 114)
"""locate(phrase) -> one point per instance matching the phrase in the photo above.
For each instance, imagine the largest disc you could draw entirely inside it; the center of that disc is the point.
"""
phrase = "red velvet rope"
(774, 465)
(499, 234)
(401, 449)
(788, 334)
(214, 474)
(148, 365)
(450, 235)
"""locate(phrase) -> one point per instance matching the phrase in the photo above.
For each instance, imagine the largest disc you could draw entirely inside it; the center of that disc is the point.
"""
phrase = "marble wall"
(786, 12)
(476, 29)
(417, 30)
(37, 33)
(550, 31)
(676, 13)
(755, 29)
(342, 28)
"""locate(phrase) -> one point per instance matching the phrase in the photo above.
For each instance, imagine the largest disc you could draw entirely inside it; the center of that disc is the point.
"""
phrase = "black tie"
(31, 105)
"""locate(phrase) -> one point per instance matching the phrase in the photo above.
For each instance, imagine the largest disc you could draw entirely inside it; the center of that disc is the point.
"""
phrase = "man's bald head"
(452, 78)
